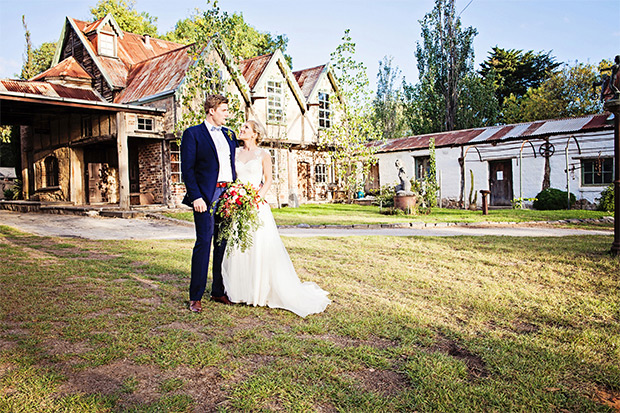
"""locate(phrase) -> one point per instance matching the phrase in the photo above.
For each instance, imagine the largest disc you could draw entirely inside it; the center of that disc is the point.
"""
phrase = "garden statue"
(609, 87)
(404, 188)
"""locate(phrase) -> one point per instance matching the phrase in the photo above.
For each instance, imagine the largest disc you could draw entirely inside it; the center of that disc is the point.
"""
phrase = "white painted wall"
(530, 173)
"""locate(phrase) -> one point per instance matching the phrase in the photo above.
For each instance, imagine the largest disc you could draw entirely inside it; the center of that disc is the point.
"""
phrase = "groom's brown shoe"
(195, 306)
(222, 299)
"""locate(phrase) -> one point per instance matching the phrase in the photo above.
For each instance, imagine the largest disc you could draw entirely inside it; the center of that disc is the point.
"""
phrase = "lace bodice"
(252, 170)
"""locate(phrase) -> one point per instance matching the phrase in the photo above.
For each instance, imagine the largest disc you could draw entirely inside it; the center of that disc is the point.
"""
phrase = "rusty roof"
(308, 78)
(67, 68)
(132, 49)
(48, 89)
(155, 76)
(253, 68)
(494, 134)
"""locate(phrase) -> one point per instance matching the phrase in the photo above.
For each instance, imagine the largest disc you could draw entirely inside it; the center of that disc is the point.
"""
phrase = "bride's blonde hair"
(258, 129)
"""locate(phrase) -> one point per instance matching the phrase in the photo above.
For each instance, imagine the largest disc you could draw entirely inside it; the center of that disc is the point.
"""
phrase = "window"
(145, 124)
(106, 45)
(599, 171)
(324, 111)
(422, 167)
(51, 171)
(320, 173)
(275, 164)
(274, 102)
(175, 162)
(87, 127)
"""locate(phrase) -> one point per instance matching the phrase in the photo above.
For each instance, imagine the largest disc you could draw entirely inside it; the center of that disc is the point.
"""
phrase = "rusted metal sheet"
(253, 68)
(499, 133)
(68, 67)
(156, 75)
(48, 89)
(307, 78)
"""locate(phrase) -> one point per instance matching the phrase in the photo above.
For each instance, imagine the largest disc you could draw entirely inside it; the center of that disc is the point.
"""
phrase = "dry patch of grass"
(426, 324)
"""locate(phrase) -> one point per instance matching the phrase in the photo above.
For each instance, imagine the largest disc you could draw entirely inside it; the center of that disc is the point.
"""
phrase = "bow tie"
(214, 128)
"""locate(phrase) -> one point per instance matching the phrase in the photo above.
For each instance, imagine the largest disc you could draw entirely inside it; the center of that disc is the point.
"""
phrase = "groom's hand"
(199, 205)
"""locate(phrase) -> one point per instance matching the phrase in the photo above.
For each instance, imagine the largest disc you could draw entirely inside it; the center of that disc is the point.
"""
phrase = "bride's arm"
(267, 175)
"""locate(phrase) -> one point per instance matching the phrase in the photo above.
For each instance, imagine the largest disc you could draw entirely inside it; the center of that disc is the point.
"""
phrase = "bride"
(264, 274)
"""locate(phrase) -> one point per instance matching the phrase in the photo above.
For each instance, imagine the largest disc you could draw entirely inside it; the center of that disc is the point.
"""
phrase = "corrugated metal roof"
(307, 78)
(68, 67)
(253, 68)
(132, 49)
(155, 76)
(498, 133)
(48, 89)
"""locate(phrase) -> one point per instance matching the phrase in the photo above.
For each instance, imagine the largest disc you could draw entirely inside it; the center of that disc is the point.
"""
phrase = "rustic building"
(98, 127)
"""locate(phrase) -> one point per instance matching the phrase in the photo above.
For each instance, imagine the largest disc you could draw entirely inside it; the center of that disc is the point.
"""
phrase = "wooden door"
(94, 183)
(303, 179)
(500, 182)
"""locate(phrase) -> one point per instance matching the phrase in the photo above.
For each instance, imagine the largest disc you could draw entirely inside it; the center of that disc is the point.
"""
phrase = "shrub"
(385, 196)
(552, 199)
(607, 199)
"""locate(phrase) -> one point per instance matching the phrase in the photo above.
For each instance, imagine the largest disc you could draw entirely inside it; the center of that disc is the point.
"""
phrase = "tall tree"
(515, 71)
(28, 69)
(445, 56)
(388, 100)
(126, 16)
(353, 125)
(566, 93)
(243, 40)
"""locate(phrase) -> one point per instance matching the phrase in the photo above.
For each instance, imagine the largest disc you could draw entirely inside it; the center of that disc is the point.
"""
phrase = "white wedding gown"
(264, 275)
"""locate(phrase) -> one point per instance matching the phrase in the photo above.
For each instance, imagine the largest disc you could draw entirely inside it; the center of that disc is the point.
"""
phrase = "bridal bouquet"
(238, 210)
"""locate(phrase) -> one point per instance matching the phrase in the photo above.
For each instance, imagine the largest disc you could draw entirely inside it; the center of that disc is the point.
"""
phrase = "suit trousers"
(207, 231)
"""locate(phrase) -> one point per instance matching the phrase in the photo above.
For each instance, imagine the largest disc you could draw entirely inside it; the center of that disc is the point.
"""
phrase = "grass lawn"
(466, 324)
(344, 214)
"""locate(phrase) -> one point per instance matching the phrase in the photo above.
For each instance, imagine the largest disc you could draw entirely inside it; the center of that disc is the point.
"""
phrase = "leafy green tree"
(126, 16)
(515, 71)
(445, 56)
(388, 101)
(353, 125)
(243, 40)
(566, 93)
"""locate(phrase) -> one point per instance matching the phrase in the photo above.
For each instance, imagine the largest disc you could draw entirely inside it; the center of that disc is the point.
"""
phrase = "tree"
(445, 56)
(353, 126)
(566, 93)
(515, 71)
(126, 16)
(28, 69)
(388, 101)
(243, 40)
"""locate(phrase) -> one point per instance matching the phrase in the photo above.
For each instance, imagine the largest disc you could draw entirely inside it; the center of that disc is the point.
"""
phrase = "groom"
(207, 165)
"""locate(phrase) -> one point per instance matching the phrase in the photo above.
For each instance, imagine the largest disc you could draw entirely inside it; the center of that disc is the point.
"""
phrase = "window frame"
(148, 124)
(592, 173)
(275, 164)
(51, 171)
(325, 111)
(424, 163)
(321, 173)
(275, 102)
(105, 50)
(175, 149)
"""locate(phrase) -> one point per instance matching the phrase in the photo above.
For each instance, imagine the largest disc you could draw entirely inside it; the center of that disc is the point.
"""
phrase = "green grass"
(348, 214)
(465, 324)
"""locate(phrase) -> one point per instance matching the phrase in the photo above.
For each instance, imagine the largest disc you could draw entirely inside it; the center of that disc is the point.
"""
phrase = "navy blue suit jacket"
(199, 162)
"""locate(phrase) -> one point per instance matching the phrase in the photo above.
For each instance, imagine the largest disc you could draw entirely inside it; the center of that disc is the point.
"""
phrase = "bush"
(607, 199)
(384, 197)
(552, 199)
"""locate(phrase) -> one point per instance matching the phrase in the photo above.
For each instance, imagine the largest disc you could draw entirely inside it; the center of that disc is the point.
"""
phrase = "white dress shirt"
(223, 153)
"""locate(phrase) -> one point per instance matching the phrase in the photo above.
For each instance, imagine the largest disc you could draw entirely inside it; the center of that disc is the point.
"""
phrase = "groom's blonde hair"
(258, 129)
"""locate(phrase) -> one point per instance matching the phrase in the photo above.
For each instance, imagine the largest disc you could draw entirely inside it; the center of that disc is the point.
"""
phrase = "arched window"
(51, 171)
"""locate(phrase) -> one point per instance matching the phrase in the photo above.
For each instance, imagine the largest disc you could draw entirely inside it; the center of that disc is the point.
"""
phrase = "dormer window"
(107, 45)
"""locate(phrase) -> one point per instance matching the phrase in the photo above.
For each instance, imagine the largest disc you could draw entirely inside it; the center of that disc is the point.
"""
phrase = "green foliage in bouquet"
(238, 210)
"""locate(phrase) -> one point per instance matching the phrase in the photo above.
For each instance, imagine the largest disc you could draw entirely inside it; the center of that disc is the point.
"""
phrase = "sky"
(586, 31)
